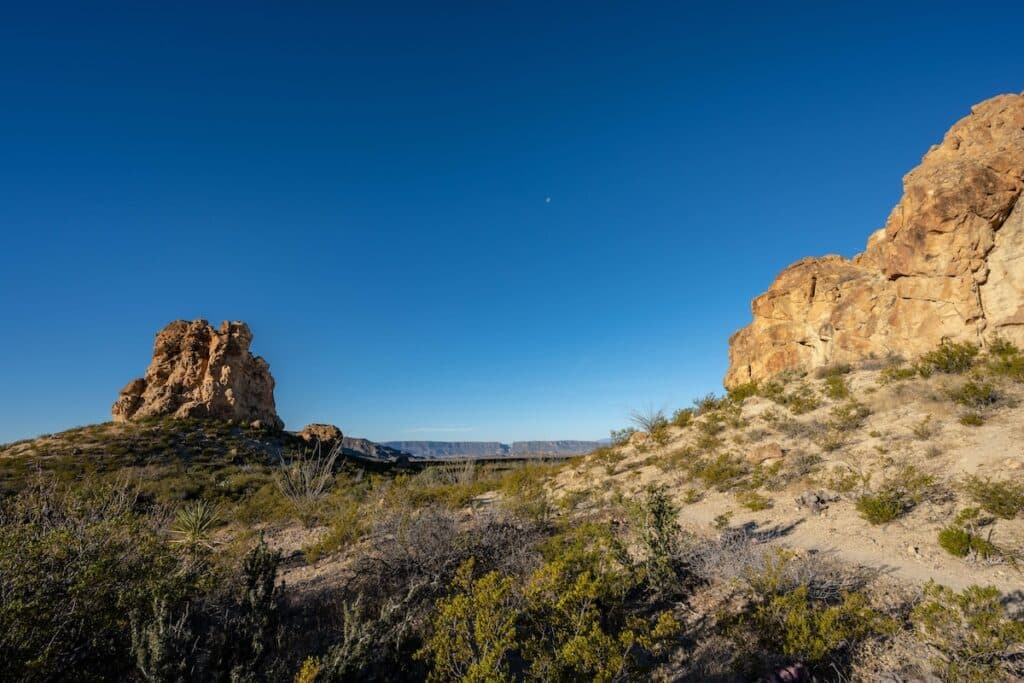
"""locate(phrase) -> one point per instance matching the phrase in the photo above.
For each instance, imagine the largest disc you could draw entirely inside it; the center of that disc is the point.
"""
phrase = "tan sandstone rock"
(326, 434)
(770, 452)
(198, 371)
(949, 263)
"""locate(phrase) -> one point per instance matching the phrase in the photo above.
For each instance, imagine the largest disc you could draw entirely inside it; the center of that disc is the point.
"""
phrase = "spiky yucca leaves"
(194, 524)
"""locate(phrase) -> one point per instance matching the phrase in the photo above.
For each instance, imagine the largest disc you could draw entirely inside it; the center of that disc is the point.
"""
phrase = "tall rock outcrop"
(199, 371)
(948, 263)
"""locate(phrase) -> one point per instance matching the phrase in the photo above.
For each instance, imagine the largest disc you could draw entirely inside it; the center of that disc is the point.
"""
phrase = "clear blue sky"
(367, 189)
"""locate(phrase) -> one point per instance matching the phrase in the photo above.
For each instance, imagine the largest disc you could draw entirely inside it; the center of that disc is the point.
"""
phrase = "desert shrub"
(1004, 499)
(1005, 360)
(805, 608)
(897, 372)
(799, 400)
(976, 395)
(74, 564)
(950, 357)
(657, 523)
(752, 500)
(836, 388)
(525, 493)
(653, 422)
(833, 370)
(848, 417)
(955, 541)
(710, 403)
(620, 437)
(816, 632)
(723, 471)
(882, 507)
(233, 633)
(683, 417)
(972, 419)
(958, 541)
(347, 524)
(474, 630)
(970, 634)
(925, 429)
(578, 625)
(742, 392)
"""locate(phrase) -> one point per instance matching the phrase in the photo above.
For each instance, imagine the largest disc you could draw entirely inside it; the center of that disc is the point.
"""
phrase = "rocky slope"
(946, 264)
(201, 372)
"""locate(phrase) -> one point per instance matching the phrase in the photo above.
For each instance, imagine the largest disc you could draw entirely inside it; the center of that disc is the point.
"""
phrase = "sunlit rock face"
(202, 372)
(948, 263)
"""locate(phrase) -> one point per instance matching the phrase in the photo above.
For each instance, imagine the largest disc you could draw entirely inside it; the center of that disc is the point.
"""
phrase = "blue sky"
(366, 185)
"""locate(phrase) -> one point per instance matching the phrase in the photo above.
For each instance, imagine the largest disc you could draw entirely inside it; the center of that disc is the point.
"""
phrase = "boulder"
(327, 435)
(766, 452)
(946, 264)
(202, 372)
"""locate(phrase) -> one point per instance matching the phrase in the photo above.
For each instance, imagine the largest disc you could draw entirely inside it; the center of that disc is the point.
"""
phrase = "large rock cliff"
(199, 371)
(948, 263)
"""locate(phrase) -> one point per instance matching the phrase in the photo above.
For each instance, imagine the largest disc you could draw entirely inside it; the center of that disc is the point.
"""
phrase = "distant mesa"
(201, 372)
(492, 449)
(947, 264)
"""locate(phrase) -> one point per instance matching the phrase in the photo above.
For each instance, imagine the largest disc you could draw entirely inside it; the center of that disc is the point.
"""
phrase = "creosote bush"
(950, 358)
(970, 634)
(1004, 499)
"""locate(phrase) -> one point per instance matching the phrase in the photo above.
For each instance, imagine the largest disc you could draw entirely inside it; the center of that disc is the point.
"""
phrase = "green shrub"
(683, 417)
(955, 541)
(976, 395)
(742, 392)
(897, 373)
(474, 630)
(972, 419)
(75, 564)
(1005, 360)
(972, 636)
(723, 471)
(814, 632)
(882, 507)
(1004, 499)
(836, 388)
(752, 500)
(950, 358)
(849, 416)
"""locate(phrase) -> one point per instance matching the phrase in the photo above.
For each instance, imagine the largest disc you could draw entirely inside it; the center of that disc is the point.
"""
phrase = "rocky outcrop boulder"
(326, 435)
(949, 263)
(202, 372)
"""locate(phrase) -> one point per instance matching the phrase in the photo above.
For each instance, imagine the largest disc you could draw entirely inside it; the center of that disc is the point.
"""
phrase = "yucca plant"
(193, 525)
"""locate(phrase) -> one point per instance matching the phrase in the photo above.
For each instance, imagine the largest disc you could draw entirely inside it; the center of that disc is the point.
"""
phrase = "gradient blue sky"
(367, 188)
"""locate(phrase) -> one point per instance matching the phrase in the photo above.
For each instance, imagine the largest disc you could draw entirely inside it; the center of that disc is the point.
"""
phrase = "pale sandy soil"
(907, 549)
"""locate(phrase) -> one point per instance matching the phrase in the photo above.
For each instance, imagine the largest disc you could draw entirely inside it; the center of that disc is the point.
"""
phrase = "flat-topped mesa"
(198, 371)
(949, 263)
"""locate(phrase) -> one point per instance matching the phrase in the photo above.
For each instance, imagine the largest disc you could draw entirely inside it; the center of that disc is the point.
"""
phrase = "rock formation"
(198, 371)
(948, 263)
(326, 434)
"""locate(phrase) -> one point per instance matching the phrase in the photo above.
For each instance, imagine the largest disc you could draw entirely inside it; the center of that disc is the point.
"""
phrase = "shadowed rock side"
(201, 372)
(948, 263)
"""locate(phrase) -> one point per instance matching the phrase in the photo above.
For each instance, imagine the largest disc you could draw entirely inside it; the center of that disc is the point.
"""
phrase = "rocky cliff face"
(199, 371)
(948, 263)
